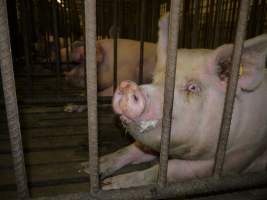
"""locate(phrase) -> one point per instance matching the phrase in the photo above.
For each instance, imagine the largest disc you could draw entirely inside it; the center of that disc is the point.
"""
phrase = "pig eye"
(193, 87)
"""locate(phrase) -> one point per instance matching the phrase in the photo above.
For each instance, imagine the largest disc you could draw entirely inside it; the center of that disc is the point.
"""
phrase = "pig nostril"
(135, 98)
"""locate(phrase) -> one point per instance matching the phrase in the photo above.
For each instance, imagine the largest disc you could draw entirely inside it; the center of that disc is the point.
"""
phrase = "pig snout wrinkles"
(129, 100)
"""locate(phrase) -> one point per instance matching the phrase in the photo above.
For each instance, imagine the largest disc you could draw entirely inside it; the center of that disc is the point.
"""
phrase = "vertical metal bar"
(66, 43)
(196, 24)
(155, 17)
(91, 74)
(26, 46)
(11, 104)
(115, 43)
(229, 20)
(207, 25)
(56, 42)
(231, 88)
(142, 32)
(169, 91)
(233, 20)
(217, 22)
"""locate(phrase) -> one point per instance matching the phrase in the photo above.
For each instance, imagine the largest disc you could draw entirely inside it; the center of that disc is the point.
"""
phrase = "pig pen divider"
(55, 30)
(162, 190)
(169, 92)
(231, 88)
(115, 44)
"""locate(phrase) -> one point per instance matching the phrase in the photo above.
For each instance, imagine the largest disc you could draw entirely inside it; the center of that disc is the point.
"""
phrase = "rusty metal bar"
(231, 88)
(91, 74)
(169, 91)
(11, 104)
(115, 44)
(210, 185)
(142, 32)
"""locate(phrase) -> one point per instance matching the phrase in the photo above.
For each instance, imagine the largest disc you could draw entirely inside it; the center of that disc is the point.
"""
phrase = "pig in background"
(200, 89)
(128, 58)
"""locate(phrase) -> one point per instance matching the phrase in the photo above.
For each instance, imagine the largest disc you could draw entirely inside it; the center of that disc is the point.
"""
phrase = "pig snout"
(129, 100)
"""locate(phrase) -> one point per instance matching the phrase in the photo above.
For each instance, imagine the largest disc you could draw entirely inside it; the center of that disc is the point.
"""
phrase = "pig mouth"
(140, 127)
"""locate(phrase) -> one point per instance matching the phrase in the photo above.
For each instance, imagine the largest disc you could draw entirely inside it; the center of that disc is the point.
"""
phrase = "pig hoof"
(133, 179)
(107, 166)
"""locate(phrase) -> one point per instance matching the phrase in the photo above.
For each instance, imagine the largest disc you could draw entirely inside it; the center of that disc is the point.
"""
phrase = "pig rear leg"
(178, 170)
(110, 163)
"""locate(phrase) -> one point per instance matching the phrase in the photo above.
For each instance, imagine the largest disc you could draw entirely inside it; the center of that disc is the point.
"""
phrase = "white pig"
(200, 89)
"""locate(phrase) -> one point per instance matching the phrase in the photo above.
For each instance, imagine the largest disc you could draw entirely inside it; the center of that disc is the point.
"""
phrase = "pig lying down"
(128, 58)
(197, 113)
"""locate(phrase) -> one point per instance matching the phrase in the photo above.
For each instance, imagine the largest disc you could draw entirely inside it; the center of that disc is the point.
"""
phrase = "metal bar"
(217, 22)
(58, 100)
(115, 44)
(9, 89)
(26, 45)
(210, 185)
(231, 88)
(91, 74)
(155, 17)
(142, 31)
(56, 42)
(66, 35)
(169, 91)
(196, 24)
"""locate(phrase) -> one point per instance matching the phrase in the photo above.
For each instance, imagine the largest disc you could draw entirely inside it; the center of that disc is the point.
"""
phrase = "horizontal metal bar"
(205, 186)
(59, 100)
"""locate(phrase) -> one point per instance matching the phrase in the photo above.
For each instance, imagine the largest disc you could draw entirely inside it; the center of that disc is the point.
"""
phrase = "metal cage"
(162, 189)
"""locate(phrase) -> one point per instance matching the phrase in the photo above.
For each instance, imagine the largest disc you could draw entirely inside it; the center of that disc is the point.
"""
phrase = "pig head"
(200, 89)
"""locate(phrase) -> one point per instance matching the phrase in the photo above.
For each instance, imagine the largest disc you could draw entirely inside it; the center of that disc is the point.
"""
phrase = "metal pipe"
(26, 45)
(115, 44)
(66, 34)
(231, 88)
(217, 22)
(56, 42)
(205, 186)
(169, 91)
(142, 31)
(59, 100)
(9, 89)
(196, 24)
(91, 74)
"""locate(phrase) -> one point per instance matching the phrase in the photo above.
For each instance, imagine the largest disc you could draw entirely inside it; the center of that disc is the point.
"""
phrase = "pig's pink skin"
(127, 62)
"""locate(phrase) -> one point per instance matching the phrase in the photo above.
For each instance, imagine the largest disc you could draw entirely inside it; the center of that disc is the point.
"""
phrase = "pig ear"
(252, 62)
(99, 53)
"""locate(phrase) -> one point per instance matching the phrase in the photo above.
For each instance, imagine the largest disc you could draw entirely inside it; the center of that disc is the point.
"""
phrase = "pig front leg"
(178, 170)
(132, 154)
